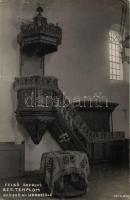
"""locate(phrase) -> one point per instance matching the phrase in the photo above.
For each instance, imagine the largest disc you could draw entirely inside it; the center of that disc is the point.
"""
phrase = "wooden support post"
(111, 122)
(21, 62)
(42, 65)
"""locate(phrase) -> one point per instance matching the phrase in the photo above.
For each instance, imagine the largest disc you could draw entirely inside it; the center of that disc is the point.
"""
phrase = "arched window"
(115, 58)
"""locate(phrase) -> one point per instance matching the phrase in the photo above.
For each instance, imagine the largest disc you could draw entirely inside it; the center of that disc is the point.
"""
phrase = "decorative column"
(126, 47)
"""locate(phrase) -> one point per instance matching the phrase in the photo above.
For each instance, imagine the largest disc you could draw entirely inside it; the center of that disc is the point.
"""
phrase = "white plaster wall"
(8, 70)
(33, 152)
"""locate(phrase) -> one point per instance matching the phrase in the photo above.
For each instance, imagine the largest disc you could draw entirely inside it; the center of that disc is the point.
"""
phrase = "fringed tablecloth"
(56, 165)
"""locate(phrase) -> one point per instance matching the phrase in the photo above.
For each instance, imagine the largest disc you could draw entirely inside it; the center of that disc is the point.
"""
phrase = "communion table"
(65, 173)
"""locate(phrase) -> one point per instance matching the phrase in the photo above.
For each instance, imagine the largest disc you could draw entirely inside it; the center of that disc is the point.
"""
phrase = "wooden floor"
(105, 183)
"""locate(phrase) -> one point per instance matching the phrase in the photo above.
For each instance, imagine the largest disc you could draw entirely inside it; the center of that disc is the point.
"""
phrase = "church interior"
(64, 99)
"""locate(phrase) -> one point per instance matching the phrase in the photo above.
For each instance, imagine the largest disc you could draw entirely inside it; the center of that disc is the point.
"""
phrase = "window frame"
(115, 57)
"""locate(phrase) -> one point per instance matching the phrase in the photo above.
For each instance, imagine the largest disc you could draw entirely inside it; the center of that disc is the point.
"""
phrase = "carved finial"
(39, 9)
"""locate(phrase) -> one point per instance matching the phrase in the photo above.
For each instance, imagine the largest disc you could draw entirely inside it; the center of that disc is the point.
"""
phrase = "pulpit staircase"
(68, 128)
